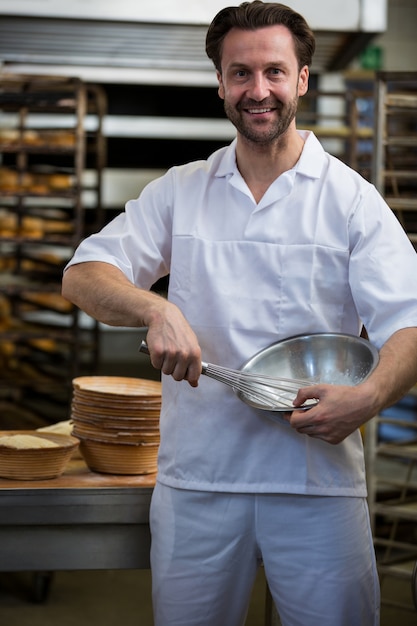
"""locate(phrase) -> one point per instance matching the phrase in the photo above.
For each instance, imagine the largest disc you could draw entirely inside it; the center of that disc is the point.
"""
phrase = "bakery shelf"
(392, 509)
(391, 457)
(395, 145)
(42, 220)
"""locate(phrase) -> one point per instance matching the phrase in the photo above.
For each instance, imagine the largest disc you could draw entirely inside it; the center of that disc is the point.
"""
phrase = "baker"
(267, 238)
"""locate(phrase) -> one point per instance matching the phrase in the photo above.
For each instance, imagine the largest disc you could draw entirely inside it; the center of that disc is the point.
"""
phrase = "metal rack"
(392, 463)
(342, 123)
(392, 493)
(45, 150)
(395, 161)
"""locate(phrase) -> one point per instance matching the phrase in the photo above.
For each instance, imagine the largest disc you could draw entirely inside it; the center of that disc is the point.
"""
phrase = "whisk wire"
(268, 391)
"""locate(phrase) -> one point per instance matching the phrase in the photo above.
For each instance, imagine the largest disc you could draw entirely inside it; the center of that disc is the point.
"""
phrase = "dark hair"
(254, 15)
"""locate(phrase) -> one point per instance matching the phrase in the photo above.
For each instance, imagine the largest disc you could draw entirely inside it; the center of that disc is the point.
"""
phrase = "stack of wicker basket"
(116, 420)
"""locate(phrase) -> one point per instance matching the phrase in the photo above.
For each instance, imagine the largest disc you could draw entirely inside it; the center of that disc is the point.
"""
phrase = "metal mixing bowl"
(333, 358)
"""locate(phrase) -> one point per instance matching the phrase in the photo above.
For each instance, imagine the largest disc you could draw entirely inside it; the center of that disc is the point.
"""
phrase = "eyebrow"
(244, 66)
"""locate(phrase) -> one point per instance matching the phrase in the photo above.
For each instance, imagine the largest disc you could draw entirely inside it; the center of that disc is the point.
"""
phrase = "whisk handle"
(144, 348)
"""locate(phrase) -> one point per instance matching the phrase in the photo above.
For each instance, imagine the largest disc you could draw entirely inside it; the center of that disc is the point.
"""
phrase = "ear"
(220, 89)
(303, 81)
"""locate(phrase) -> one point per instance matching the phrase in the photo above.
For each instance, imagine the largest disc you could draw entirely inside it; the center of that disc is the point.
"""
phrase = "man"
(268, 238)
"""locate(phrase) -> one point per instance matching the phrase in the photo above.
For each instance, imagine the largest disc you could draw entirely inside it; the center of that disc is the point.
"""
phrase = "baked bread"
(26, 442)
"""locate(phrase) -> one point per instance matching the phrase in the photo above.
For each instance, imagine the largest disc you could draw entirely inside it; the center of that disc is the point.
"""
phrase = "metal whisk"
(259, 390)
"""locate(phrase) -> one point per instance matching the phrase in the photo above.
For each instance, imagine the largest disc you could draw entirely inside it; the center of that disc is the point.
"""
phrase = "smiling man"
(260, 84)
(268, 238)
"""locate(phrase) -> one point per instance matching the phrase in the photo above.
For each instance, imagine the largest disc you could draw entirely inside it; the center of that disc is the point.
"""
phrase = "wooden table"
(81, 520)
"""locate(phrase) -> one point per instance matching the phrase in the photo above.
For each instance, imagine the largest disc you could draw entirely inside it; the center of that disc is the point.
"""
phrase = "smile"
(257, 111)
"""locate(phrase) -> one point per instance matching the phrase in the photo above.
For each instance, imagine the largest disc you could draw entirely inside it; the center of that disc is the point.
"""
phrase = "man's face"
(260, 82)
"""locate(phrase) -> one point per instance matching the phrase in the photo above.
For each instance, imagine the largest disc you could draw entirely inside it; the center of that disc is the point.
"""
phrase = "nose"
(259, 87)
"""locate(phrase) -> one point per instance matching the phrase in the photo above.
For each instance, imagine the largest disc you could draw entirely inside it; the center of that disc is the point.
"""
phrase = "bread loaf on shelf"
(12, 181)
(13, 137)
(53, 301)
(31, 226)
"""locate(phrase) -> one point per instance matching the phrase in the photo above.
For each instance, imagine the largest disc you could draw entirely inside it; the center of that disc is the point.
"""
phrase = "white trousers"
(317, 552)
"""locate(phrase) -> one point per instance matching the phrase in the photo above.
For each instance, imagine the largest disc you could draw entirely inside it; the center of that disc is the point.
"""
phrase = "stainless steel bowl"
(333, 358)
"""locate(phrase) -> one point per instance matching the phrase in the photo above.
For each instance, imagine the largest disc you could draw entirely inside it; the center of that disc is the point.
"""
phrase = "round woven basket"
(142, 435)
(119, 458)
(37, 463)
(117, 422)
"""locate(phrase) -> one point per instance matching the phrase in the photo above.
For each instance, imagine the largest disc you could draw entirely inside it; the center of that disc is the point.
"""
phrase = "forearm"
(102, 291)
(396, 372)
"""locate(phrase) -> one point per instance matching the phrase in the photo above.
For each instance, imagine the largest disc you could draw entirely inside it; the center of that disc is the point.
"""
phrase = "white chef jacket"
(320, 252)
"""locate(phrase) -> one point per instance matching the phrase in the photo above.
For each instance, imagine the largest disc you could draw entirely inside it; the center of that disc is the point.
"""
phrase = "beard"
(259, 131)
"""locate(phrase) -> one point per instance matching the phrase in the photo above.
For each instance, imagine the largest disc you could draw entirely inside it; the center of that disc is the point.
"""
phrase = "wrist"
(153, 311)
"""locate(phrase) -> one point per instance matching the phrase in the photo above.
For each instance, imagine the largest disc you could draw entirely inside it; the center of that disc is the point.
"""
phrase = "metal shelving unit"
(342, 124)
(392, 463)
(395, 159)
(392, 494)
(44, 151)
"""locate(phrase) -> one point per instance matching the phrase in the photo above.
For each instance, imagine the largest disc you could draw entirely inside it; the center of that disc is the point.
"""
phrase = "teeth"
(259, 110)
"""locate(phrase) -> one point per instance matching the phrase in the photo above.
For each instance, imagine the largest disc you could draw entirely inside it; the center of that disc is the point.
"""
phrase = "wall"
(399, 42)
(367, 15)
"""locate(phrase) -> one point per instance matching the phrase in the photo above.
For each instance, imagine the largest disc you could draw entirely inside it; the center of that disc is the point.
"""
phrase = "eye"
(275, 71)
